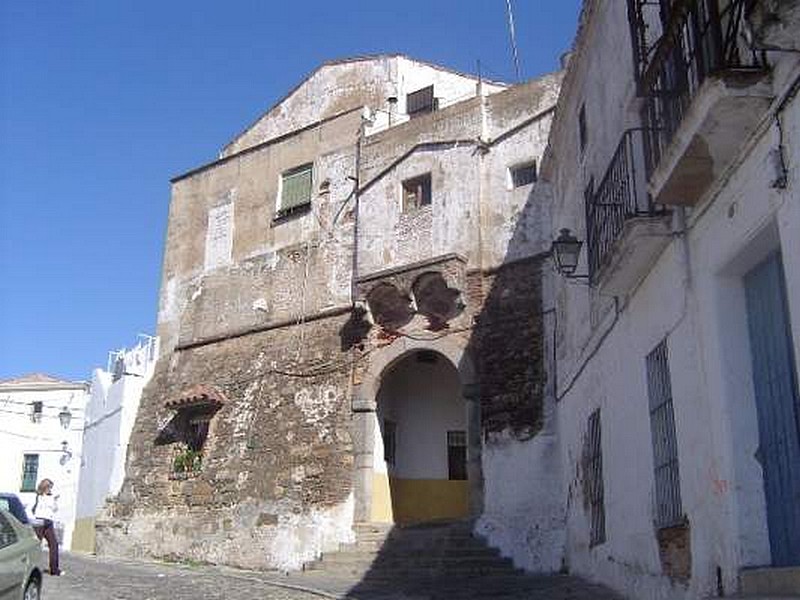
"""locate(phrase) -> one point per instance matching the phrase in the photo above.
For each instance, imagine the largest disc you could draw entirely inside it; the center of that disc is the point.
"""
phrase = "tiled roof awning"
(198, 396)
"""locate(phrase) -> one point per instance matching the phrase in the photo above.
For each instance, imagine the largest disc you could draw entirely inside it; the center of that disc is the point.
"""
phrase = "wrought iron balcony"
(701, 83)
(701, 38)
(621, 208)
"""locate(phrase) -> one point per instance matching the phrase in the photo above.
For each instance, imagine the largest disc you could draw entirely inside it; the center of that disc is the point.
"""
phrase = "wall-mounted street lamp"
(64, 417)
(566, 250)
(66, 453)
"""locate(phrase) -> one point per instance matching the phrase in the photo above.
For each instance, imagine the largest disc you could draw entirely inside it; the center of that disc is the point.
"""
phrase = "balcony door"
(778, 406)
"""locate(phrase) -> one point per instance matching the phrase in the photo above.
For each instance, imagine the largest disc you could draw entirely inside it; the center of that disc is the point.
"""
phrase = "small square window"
(295, 190)
(523, 174)
(36, 412)
(416, 192)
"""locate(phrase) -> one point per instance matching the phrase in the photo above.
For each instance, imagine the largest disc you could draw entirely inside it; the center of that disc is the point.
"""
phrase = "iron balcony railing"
(700, 38)
(621, 195)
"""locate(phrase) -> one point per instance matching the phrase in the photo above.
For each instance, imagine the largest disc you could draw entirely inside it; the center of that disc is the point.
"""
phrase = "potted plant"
(187, 461)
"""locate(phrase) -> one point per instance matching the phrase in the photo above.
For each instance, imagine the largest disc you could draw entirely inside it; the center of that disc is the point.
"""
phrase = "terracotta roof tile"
(197, 395)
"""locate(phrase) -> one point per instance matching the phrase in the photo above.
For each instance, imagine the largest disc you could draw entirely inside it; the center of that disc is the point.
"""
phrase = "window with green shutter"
(295, 189)
(30, 470)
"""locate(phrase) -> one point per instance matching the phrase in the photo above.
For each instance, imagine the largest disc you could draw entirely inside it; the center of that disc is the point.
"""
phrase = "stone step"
(483, 585)
(402, 560)
(770, 581)
(390, 556)
(467, 546)
(408, 572)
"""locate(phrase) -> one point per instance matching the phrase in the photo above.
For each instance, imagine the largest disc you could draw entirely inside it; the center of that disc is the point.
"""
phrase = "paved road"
(90, 578)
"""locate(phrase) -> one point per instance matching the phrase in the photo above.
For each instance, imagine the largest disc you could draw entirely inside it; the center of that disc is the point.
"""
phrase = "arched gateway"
(417, 442)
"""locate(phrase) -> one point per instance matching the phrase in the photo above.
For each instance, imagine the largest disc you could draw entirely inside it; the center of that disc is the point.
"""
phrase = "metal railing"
(621, 195)
(700, 38)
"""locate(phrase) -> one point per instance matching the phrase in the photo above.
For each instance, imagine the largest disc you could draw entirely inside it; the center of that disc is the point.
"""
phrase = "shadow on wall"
(506, 343)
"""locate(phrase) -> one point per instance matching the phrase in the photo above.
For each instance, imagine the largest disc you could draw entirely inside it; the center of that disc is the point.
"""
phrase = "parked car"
(13, 504)
(20, 556)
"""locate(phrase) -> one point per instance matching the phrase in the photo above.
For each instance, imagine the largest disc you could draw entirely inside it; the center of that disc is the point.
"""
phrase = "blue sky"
(102, 102)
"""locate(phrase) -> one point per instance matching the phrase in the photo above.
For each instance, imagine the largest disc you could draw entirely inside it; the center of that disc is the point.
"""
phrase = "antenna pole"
(513, 38)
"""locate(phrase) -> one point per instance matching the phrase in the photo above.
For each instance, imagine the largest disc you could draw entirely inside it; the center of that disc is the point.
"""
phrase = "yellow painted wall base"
(83, 536)
(406, 501)
(381, 499)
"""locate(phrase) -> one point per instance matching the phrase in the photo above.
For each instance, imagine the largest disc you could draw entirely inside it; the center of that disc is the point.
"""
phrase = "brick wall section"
(507, 345)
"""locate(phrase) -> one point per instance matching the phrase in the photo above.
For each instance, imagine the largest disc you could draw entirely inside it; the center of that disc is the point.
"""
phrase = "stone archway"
(365, 417)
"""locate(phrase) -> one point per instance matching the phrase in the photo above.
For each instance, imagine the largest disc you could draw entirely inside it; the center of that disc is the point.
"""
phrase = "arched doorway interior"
(420, 470)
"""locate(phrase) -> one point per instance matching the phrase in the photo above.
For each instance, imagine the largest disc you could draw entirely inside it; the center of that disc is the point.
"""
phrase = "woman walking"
(44, 510)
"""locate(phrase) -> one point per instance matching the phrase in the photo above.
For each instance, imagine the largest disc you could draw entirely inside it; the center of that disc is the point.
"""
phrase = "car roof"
(16, 508)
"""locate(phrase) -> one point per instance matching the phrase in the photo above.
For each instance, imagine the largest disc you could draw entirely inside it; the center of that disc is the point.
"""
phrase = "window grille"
(389, 442)
(416, 192)
(36, 412)
(524, 174)
(457, 455)
(593, 480)
(669, 509)
(296, 185)
(30, 471)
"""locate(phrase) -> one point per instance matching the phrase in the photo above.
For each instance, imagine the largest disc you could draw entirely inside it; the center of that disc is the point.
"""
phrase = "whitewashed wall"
(20, 436)
(110, 416)
(425, 401)
(694, 297)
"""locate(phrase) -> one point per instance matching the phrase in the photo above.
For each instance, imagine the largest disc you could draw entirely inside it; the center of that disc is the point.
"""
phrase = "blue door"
(777, 404)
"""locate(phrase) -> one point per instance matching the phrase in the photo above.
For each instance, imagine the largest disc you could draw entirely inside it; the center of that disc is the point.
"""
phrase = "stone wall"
(277, 459)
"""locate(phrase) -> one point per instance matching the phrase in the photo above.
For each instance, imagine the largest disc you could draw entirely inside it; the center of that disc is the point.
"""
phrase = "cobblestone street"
(90, 578)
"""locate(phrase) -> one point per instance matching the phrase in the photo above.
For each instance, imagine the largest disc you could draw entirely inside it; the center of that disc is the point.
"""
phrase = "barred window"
(457, 455)
(593, 480)
(36, 412)
(416, 192)
(30, 471)
(669, 510)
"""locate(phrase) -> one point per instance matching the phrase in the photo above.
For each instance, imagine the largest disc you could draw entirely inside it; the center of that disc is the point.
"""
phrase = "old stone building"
(352, 327)
(674, 159)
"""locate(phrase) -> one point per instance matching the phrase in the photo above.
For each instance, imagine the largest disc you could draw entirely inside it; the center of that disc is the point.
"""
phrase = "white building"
(42, 436)
(110, 414)
(675, 158)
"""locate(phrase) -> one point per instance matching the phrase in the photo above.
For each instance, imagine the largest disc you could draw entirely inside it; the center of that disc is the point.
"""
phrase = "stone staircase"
(431, 561)
(385, 553)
